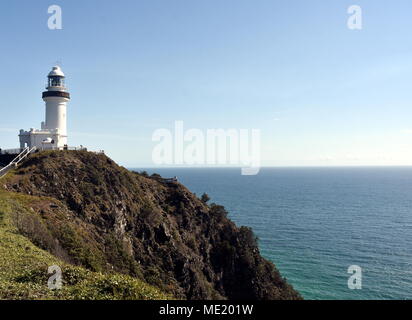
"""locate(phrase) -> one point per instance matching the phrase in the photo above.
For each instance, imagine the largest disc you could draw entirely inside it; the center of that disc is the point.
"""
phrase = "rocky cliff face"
(95, 214)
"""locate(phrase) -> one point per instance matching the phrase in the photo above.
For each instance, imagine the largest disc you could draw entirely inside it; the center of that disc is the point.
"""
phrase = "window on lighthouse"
(56, 81)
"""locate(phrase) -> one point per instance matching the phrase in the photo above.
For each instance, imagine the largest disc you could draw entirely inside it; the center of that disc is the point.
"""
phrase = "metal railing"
(22, 155)
(61, 148)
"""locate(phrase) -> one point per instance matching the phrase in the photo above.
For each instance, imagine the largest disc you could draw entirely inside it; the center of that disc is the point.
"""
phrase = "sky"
(320, 93)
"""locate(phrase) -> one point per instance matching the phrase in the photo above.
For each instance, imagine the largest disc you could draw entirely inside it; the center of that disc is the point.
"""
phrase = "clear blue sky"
(320, 93)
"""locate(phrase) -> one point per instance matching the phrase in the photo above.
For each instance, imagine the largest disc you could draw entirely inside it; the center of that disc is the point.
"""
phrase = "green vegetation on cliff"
(24, 266)
(125, 234)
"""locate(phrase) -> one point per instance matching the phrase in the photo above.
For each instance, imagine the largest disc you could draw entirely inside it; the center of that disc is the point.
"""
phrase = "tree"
(205, 198)
(144, 174)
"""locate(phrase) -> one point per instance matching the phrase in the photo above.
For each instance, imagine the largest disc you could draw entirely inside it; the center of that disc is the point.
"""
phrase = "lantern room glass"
(56, 81)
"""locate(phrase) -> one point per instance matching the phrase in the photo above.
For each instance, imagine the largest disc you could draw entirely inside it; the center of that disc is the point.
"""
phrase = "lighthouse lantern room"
(53, 132)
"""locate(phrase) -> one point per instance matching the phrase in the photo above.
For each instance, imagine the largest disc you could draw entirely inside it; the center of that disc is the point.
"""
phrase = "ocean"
(314, 223)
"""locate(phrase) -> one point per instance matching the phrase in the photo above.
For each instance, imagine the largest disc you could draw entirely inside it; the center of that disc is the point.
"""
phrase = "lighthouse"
(53, 132)
(56, 98)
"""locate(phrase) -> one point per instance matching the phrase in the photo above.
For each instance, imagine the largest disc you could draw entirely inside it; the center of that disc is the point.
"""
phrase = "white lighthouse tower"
(53, 132)
(56, 98)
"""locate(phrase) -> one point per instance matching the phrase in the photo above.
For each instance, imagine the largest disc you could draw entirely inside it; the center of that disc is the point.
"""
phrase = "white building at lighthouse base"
(43, 139)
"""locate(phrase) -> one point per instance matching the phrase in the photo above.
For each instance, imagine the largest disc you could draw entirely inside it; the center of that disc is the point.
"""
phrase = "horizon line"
(272, 167)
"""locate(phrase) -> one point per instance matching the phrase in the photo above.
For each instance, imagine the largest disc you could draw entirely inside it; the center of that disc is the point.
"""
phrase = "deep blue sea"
(314, 223)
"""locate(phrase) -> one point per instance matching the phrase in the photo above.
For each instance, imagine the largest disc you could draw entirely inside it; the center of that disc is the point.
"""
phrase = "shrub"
(205, 198)
(156, 176)
(144, 174)
(31, 226)
(248, 237)
(218, 211)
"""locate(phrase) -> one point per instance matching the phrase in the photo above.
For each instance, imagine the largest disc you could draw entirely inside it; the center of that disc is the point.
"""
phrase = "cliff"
(87, 211)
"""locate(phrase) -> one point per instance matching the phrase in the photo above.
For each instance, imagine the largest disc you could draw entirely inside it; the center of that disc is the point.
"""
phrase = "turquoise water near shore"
(313, 223)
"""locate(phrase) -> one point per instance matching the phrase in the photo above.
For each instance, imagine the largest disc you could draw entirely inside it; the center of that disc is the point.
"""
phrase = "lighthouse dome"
(56, 72)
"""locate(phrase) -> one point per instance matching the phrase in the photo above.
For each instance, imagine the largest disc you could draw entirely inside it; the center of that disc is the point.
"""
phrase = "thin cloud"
(9, 130)
(107, 136)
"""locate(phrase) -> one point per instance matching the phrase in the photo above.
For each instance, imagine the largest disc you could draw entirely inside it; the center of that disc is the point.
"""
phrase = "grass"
(23, 268)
